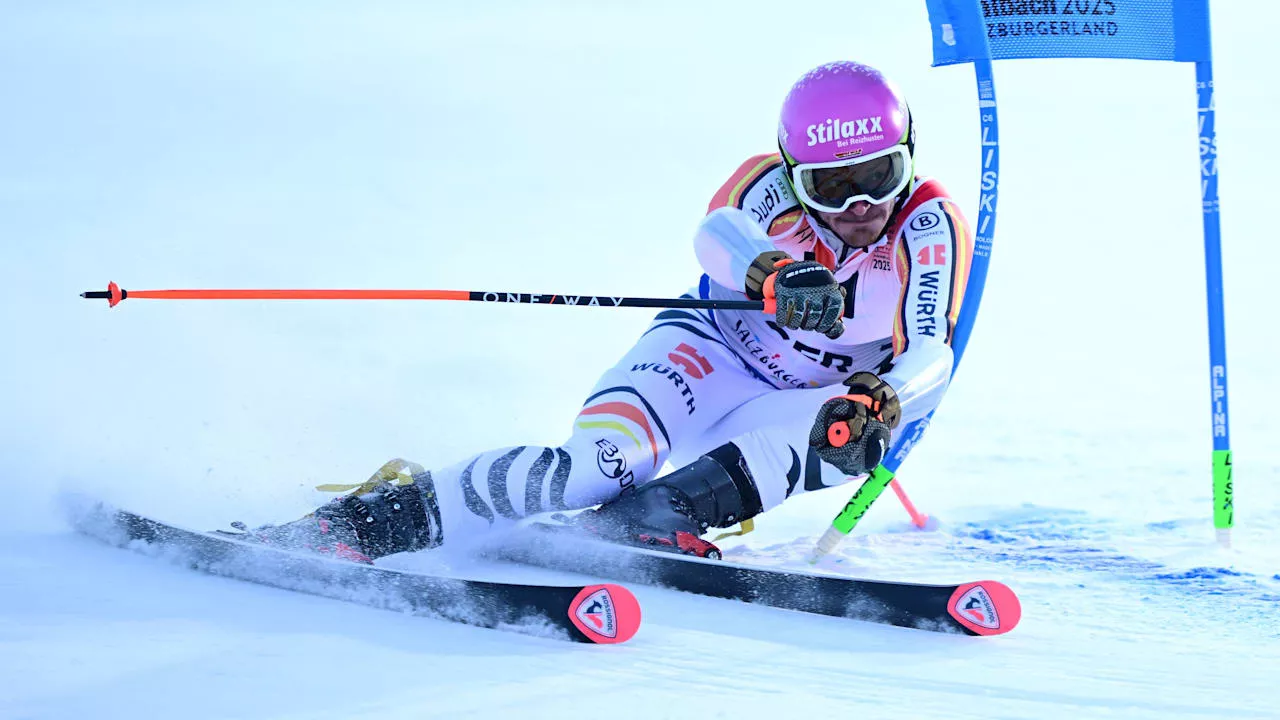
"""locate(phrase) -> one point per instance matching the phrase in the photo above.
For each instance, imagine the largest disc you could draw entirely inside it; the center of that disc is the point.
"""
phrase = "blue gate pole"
(1223, 512)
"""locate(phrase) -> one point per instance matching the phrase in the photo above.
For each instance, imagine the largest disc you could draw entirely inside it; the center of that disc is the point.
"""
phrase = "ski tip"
(985, 607)
(605, 614)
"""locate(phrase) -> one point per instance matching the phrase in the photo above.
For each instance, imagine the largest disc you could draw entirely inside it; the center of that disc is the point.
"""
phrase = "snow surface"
(572, 147)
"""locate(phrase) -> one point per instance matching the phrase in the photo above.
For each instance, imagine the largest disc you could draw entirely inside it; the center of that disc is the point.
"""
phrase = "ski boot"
(394, 511)
(673, 511)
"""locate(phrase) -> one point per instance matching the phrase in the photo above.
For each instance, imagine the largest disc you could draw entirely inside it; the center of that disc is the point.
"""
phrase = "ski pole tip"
(113, 294)
(828, 542)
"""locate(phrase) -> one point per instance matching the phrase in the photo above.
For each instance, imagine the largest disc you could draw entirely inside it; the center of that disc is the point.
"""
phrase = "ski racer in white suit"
(865, 265)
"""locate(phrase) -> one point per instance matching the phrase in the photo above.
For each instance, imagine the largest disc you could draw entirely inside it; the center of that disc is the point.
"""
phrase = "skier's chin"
(862, 236)
(858, 232)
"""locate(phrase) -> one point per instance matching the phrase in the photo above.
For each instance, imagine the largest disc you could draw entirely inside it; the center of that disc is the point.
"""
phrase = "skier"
(863, 265)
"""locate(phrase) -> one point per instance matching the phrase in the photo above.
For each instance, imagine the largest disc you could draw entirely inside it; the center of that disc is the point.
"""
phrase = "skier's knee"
(618, 460)
(716, 490)
(624, 441)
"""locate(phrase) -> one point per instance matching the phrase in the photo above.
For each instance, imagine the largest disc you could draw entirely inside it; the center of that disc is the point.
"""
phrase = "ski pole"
(114, 295)
(918, 518)
(852, 512)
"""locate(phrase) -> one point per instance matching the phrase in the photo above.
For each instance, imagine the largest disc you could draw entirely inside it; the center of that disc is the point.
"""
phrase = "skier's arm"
(805, 294)
(932, 257)
(751, 209)
(727, 242)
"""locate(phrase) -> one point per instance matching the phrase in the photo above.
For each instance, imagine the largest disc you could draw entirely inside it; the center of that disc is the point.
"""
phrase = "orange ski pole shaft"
(114, 295)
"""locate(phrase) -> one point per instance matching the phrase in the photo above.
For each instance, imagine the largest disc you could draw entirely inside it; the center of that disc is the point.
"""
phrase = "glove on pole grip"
(839, 433)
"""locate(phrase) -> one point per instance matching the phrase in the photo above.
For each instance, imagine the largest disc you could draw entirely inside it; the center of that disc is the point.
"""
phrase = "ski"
(985, 607)
(601, 613)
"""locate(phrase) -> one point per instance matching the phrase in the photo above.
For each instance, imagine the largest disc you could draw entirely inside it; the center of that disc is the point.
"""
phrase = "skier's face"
(860, 225)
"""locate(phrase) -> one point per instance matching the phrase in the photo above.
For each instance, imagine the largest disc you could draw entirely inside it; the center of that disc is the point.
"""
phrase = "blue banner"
(1175, 30)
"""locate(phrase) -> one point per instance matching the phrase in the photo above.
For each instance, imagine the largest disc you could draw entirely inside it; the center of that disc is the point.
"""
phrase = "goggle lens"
(875, 179)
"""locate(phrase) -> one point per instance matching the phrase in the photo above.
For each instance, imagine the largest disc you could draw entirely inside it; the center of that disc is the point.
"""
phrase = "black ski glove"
(852, 431)
(806, 295)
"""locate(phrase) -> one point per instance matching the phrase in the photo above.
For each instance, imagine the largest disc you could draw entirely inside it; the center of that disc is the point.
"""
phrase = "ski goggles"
(834, 186)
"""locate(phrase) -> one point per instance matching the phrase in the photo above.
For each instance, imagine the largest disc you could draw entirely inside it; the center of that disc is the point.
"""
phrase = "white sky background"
(572, 148)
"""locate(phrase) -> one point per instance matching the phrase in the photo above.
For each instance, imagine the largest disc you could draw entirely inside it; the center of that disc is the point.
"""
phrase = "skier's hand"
(852, 431)
(806, 295)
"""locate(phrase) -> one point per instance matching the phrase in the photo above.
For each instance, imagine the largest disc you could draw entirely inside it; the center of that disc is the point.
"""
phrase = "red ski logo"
(597, 612)
(978, 608)
(985, 607)
(605, 613)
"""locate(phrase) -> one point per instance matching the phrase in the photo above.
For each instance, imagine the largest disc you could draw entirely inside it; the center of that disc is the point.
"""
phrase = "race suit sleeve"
(752, 210)
(932, 256)
(726, 243)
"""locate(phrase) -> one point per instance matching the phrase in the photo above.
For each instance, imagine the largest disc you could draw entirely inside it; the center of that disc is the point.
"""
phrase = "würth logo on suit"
(691, 361)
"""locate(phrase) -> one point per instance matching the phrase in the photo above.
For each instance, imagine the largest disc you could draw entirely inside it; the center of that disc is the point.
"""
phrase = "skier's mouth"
(851, 222)
(861, 221)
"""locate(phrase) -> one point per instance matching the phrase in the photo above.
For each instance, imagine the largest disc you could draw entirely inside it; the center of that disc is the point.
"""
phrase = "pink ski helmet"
(845, 134)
